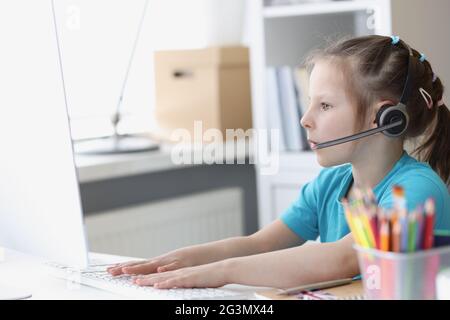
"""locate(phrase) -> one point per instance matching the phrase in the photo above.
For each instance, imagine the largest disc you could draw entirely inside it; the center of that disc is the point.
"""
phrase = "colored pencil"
(359, 225)
(398, 194)
(384, 236)
(362, 232)
(420, 228)
(396, 236)
(404, 232)
(368, 230)
(350, 222)
(372, 216)
(412, 229)
(389, 230)
(429, 224)
(373, 221)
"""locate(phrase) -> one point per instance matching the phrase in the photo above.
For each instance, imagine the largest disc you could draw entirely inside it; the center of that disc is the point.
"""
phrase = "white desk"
(29, 273)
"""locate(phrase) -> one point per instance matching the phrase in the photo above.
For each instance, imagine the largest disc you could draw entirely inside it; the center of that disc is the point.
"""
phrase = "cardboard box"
(211, 85)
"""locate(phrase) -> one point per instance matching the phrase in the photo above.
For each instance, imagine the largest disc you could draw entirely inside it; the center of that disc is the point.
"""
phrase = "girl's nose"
(306, 121)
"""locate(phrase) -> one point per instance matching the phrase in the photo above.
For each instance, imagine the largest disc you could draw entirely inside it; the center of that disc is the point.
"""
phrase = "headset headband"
(407, 89)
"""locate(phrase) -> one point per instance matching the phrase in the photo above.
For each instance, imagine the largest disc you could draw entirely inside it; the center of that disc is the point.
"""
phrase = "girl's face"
(331, 114)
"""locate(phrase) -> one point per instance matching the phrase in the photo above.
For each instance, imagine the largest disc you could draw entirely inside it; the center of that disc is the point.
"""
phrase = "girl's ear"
(377, 108)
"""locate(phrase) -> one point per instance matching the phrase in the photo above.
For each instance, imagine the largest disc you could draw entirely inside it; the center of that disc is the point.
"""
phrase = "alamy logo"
(259, 147)
(73, 20)
(373, 277)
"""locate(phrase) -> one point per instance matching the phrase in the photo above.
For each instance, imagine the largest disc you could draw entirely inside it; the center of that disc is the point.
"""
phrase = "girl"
(349, 82)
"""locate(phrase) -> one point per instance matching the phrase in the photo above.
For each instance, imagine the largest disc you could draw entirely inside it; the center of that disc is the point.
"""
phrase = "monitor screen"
(40, 206)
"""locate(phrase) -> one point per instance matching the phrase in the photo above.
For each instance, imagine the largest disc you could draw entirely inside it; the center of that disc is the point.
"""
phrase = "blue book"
(273, 105)
(290, 109)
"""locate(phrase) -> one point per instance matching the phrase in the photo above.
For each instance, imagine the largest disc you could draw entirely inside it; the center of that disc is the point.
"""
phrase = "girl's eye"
(325, 106)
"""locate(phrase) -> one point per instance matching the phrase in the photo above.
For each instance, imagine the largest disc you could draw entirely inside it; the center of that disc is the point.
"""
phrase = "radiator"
(150, 229)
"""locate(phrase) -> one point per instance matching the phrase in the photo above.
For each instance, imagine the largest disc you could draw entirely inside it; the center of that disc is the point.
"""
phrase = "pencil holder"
(401, 276)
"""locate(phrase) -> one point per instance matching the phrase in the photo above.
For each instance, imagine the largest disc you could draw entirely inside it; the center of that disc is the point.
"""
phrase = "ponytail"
(436, 148)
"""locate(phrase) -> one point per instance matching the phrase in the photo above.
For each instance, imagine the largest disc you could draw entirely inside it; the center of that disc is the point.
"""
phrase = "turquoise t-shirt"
(319, 212)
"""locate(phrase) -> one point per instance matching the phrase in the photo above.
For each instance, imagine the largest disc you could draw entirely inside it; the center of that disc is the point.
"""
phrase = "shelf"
(282, 35)
(318, 8)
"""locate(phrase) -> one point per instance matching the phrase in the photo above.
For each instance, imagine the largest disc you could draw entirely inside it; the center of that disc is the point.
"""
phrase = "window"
(97, 38)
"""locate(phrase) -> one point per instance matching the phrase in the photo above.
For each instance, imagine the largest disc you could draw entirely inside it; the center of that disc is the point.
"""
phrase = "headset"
(391, 120)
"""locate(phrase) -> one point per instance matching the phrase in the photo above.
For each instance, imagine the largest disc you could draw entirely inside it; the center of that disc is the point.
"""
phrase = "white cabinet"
(277, 191)
(153, 228)
(283, 194)
(284, 35)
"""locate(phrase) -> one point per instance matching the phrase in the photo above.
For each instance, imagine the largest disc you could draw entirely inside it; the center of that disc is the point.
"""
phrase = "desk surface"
(30, 274)
(349, 291)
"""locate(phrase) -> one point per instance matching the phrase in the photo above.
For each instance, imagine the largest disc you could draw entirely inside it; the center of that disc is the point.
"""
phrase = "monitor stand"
(10, 293)
(115, 144)
(7, 292)
(119, 143)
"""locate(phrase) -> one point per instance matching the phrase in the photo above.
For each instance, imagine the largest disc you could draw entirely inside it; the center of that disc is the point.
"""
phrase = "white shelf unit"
(330, 7)
(283, 35)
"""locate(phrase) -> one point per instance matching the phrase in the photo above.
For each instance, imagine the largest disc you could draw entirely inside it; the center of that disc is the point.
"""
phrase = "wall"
(425, 25)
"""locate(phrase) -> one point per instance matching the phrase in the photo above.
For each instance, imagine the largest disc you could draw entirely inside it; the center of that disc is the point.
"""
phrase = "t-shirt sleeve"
(418, 189)
(301, 216)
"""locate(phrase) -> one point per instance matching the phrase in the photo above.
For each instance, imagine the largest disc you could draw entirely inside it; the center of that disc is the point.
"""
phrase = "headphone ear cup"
(389, 114)
(380, 113)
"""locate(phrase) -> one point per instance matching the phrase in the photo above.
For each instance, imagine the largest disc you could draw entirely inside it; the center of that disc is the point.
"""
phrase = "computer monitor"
(40, 206)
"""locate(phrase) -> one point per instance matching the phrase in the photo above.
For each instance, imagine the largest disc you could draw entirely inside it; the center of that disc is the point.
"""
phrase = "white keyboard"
(97, 277)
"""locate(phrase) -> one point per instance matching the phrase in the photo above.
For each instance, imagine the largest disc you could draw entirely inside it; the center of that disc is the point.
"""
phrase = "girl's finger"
(169, 267)
(149, 280)
(178, 282)
(128, 263)
(117, 269)
(144, 268)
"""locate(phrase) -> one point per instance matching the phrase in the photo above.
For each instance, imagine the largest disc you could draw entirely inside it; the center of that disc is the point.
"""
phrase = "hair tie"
(434, 77)
(427, 97)
(395, 40)
(422, 57)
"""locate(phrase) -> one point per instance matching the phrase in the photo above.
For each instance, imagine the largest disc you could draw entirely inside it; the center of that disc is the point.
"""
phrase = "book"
(290, 114)
(274, 110)
(301, 81)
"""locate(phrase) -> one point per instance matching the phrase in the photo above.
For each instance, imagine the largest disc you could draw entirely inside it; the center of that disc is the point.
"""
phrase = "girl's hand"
(210, 275)
(171, 261)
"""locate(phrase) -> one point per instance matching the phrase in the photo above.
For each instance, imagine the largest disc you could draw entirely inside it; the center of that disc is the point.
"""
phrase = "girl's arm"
(273, 237)
(314, 262)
